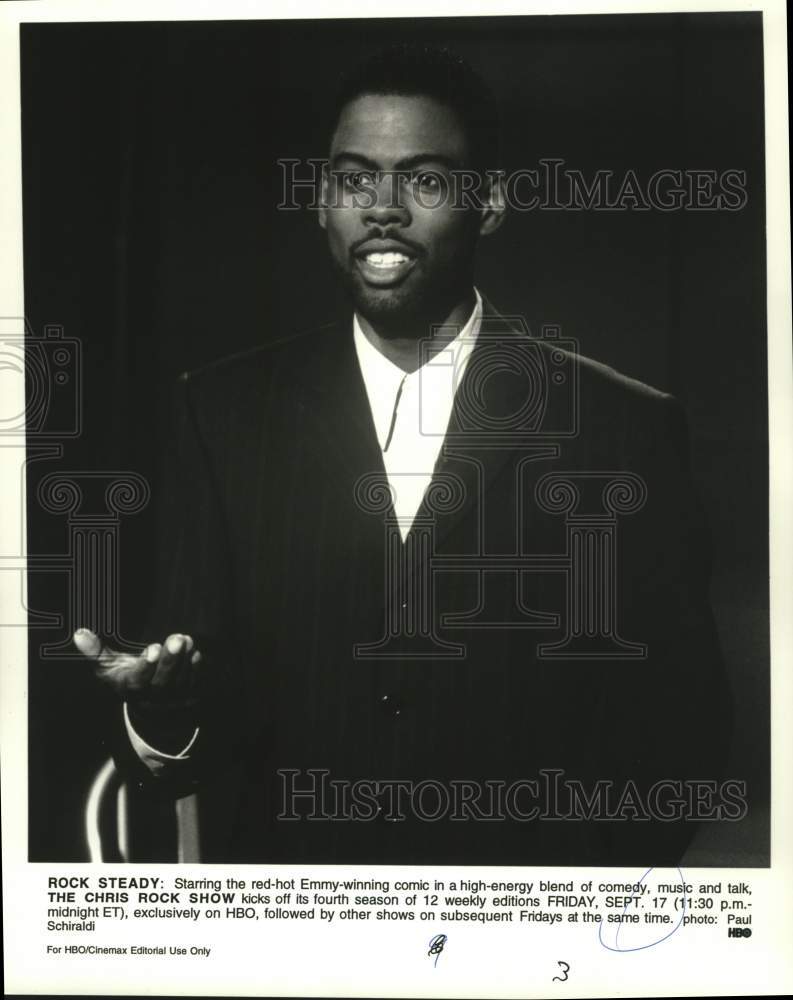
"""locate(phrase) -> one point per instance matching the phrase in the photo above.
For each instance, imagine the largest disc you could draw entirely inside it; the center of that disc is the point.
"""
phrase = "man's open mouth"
(384, 267)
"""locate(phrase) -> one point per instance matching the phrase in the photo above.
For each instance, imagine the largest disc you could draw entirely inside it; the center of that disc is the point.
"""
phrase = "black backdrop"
(151, 234)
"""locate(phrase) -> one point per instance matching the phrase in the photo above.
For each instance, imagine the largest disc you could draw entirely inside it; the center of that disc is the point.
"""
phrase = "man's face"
(405, 252)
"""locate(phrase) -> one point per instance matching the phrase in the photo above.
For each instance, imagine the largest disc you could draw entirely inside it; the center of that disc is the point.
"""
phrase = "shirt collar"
(383, 378)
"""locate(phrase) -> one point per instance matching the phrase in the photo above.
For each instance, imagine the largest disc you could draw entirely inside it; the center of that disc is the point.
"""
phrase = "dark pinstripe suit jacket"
(281, 568)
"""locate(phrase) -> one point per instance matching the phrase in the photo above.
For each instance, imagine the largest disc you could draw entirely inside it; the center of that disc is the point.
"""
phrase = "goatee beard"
(401, 313)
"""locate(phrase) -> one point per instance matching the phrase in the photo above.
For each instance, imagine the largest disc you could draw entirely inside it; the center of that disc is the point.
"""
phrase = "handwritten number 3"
(558, 979)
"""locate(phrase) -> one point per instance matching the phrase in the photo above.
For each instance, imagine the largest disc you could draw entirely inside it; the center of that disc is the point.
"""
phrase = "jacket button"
(382, 815)
(390, 706)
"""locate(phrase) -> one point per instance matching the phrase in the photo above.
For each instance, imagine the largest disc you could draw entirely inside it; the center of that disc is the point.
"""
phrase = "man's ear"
(495, 205)
(323, 199)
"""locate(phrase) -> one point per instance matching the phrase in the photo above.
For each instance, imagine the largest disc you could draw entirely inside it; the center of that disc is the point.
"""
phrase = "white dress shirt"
(411, 413)
(156, 760)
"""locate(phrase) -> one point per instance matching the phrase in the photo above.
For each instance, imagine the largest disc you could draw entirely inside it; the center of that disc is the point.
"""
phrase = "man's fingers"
(151, 653)
(173, 666)
(196, 670)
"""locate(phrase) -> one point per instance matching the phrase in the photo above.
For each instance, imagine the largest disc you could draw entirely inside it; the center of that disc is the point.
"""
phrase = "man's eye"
(358, 180)
(428, 180)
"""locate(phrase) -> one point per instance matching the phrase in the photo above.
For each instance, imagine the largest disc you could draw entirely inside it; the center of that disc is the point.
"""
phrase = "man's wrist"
(166, 729)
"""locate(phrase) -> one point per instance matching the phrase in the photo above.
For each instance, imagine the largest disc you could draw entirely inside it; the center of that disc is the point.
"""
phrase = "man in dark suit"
(427, 567)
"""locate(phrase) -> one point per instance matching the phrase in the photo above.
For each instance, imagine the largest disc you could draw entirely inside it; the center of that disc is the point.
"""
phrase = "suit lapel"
(495, 401)
(334, 391)
(501, 395)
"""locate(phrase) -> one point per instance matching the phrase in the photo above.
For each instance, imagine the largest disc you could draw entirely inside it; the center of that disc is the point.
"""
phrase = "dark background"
(151, 234)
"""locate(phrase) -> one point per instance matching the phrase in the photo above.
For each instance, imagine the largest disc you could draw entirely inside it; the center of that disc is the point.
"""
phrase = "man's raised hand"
(163, 675)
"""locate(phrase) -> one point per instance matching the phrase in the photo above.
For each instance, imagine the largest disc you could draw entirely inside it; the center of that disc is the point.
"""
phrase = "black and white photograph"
(445, 372)
(395, 465)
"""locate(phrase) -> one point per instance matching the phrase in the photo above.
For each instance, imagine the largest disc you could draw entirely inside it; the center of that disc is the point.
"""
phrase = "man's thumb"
(88, 643)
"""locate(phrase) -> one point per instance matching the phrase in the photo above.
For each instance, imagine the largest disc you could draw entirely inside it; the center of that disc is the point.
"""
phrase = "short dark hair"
(424, 70)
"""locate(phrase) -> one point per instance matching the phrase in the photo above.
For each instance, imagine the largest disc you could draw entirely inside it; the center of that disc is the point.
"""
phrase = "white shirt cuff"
(155, 760)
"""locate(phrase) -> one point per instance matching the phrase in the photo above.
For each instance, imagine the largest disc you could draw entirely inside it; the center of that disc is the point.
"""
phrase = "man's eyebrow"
(408, 163)
(440, 158)
(359, 158)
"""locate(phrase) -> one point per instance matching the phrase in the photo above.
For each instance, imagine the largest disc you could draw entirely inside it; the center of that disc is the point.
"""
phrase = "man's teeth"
(386, 259)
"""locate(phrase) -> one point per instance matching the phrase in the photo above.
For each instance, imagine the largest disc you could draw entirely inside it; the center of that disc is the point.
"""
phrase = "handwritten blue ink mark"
(436, 947)
(652, 944)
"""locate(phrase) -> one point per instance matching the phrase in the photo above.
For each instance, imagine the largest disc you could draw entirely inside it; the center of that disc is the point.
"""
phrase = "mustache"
(414, 248)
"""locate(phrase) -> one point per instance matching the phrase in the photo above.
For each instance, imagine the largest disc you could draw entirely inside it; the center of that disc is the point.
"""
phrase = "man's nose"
(387, 204)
